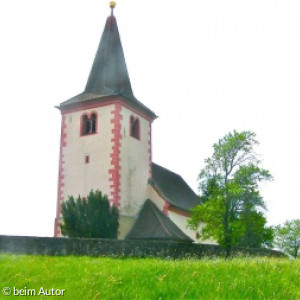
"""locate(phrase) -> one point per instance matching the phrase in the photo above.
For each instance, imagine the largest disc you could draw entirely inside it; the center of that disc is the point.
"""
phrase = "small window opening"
(87, 159)
(93, 122)
(135, 127)
(88, 124)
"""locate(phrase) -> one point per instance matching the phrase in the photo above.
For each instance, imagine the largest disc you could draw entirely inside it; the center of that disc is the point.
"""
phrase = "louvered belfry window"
(88, 124)
(135, 127)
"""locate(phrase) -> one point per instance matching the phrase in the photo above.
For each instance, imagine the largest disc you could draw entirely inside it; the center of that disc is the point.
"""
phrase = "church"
(106, 145)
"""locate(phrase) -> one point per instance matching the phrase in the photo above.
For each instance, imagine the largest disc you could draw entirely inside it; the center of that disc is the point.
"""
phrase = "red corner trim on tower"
(150, 149)
(115, 170)
(61, 176)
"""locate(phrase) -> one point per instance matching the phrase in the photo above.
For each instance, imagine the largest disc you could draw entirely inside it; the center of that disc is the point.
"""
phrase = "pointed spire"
(109, 75)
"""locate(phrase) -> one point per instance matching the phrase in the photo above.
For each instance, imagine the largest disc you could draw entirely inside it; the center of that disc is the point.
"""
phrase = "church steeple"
(109, 75)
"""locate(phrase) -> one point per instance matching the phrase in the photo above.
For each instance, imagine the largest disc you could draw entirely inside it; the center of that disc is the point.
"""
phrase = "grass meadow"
(150, 278)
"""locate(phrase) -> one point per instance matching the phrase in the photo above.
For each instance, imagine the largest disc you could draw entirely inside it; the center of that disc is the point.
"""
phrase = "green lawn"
(109, 278)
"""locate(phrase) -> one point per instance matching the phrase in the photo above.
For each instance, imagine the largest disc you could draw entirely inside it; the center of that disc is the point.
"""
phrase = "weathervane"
(112, 5)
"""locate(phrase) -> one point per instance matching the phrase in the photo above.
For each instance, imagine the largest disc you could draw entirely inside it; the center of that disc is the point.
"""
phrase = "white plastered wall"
(125, 225)
(79, 177)
(156, 198)
(181, 222)
(135, 161)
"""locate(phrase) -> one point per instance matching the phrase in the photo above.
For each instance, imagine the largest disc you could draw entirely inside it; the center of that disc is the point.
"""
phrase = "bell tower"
(106, 135)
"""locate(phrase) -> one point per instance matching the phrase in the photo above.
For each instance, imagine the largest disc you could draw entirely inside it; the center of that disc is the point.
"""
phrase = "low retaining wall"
(111, 247)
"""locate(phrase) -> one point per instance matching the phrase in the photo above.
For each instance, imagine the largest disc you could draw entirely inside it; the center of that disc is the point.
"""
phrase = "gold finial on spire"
(112, 5)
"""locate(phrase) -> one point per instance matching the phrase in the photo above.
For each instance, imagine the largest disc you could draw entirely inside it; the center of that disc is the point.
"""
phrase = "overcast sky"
(204, 67)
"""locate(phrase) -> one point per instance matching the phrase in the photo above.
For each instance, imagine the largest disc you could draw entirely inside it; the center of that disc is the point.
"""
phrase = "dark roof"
(153, 224)
(109, 75)
(174, 189)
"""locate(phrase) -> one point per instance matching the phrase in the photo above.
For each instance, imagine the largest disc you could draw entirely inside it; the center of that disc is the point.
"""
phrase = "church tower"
(106, 135)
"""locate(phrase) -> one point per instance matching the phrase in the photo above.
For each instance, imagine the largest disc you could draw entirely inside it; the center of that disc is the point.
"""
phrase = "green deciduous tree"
(232, 207)
(91, 217)
(287, 237)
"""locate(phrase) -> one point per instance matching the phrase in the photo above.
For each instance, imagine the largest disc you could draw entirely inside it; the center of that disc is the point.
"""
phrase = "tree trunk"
(296, 252)
(227, 252)
(227, 237)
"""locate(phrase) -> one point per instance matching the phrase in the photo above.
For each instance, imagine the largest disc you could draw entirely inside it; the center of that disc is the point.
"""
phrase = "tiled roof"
(173, 188)
(109, 75)
(153, 224)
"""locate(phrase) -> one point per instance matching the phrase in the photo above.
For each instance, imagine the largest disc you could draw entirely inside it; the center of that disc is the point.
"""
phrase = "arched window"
(88, 124)
(84, 125)
(135, 127)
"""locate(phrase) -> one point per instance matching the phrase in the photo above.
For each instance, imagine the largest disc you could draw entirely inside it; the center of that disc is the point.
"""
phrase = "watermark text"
(7, 291)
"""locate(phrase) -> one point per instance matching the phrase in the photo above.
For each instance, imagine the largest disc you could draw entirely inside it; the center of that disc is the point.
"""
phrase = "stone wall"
(114, 248)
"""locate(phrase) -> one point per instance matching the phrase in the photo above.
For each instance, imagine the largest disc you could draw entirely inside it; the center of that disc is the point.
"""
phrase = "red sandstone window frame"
(135, 127)
(88, 124)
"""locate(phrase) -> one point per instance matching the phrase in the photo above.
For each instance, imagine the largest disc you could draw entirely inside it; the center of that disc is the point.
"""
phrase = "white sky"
(205, 67)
